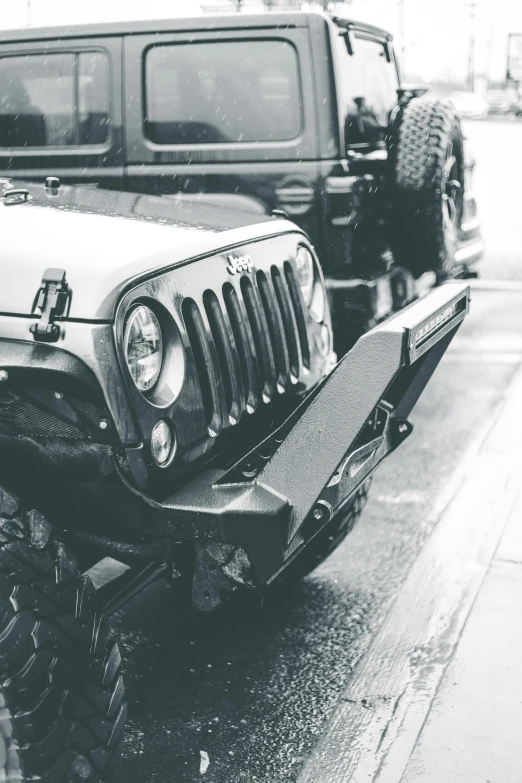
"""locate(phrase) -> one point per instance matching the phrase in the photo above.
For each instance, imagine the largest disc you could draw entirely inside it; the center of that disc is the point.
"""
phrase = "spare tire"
(427, 183)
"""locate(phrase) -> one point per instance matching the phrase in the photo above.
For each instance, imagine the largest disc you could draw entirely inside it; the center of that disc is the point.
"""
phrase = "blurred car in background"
(516, 107)
(469, 105)
(500, 101)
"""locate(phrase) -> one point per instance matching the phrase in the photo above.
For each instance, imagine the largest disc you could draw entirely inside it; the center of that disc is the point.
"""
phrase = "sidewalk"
(474, 728)
(437, 698)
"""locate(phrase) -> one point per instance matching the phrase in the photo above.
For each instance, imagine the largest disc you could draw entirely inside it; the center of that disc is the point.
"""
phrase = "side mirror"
(409, 91)
(348, 36)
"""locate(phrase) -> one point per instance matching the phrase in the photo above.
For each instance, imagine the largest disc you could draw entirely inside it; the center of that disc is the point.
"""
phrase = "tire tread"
(417, 156)
(59, 669)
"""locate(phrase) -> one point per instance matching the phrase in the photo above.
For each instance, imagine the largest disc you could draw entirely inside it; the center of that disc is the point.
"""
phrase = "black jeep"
(169, 399)
(298, 112)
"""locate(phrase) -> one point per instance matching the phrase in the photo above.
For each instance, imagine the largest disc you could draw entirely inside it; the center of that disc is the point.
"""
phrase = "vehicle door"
(60, 110)
(367, 81)
(223, 116)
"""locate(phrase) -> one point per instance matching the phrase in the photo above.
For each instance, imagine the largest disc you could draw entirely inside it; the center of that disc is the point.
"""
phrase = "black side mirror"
(407, 92)
(348, 36)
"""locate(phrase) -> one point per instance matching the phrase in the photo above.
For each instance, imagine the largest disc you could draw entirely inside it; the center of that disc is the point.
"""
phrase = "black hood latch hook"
(53, 300)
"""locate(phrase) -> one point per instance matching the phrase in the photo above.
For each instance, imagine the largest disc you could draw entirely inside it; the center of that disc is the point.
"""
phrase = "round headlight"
(143, 347)
(304, 263)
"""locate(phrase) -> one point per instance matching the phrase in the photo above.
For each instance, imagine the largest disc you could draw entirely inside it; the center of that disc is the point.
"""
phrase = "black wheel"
(61, 693)
(332, 534)
(427, 181)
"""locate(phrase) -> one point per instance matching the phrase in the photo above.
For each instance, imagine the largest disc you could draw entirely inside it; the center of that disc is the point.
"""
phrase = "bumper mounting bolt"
(322, 512)
(249, 469)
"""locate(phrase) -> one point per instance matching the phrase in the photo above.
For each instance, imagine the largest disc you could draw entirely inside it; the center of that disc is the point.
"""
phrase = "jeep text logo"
(239, 264)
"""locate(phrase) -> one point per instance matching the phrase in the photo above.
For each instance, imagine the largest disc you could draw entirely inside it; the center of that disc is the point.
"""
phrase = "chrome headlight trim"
(305, 273)
(143, 345)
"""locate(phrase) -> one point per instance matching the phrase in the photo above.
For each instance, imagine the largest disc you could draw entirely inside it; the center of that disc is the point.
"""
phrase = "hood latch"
(53, 300)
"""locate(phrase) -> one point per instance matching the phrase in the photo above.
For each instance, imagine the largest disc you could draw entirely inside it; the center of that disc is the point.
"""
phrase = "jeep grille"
(252, 345)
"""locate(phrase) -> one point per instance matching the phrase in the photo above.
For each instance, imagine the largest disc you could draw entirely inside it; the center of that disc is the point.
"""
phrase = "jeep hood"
(106, 240)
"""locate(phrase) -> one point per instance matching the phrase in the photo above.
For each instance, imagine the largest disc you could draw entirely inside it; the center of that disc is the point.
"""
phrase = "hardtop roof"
(267, 21)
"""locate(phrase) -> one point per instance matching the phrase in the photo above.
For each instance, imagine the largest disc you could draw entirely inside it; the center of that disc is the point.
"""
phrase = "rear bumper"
(471, 247)
(267, 507)
(365, 303)
(470, 252)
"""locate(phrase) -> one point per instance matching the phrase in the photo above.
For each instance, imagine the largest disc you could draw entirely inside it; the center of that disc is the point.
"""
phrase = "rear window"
(54, 100)
(229, 91)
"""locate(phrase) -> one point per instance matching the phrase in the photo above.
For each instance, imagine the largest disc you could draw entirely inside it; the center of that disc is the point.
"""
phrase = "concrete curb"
(381, 714)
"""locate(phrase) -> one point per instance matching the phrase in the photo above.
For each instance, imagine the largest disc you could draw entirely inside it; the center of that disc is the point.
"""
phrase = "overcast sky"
(437, 32)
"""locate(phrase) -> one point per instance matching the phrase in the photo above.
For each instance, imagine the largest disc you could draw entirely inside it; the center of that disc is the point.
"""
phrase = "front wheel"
(61, 692)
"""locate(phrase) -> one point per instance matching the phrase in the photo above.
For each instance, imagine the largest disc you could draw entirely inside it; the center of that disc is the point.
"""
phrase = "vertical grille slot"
(297, 304)
(289, 324)
(228, 360)
(209, 381)
(263, 348)
(248, 341)
(243, 343)
(275, 330)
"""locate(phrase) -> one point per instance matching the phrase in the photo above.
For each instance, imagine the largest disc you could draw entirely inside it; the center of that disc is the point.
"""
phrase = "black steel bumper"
(358, 305)
(258, 515)
(378, 298)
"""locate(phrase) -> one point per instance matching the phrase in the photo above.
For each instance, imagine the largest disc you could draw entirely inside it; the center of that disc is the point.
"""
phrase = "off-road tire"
(62, 706)
(426, 156)
(332, 534)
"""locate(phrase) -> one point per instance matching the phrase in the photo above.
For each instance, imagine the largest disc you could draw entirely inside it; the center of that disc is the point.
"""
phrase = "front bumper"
(268, 506)
(357, 305)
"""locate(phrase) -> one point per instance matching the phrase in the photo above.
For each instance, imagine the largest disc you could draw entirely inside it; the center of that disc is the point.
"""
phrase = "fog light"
(161, 443)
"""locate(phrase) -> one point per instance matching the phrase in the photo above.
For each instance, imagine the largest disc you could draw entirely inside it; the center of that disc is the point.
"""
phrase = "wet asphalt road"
(255, 696)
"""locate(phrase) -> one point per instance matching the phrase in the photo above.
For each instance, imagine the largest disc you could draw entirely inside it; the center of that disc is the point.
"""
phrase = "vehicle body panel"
(286, 175)
(117, 237)
(241, 348)
(333, 188)
(101, 163)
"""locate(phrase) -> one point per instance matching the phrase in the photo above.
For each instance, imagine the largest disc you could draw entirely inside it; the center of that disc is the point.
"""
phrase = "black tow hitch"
(256, 516)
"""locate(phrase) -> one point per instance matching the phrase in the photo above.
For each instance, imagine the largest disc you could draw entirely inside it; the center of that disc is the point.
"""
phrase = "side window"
(93, 98)
(39, 106)
(369, 86)
(229, 91)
